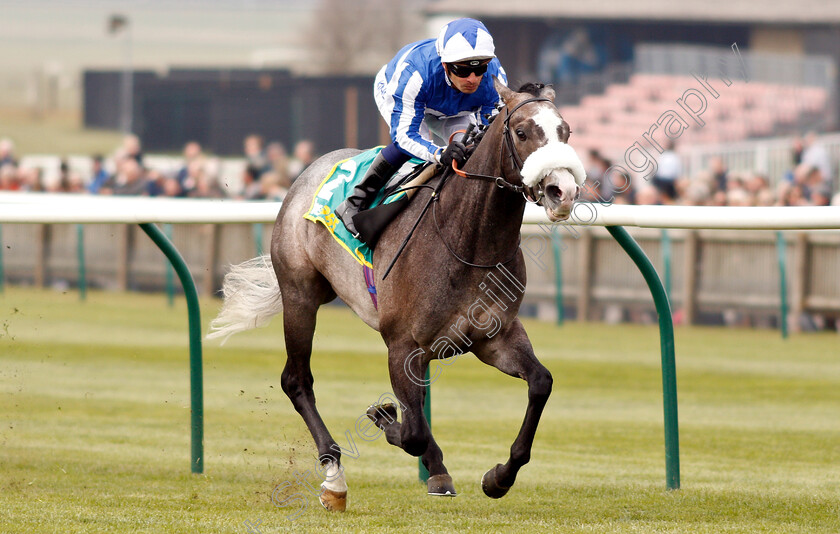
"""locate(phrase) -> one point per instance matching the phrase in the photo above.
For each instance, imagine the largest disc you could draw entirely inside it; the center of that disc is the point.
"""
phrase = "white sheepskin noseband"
(554, 155)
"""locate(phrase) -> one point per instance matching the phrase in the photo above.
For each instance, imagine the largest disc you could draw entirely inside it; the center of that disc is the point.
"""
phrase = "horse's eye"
(564, 132)
(521, 135)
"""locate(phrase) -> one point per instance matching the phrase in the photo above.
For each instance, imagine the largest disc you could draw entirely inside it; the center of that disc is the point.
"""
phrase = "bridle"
(530, 194)
(533, 195)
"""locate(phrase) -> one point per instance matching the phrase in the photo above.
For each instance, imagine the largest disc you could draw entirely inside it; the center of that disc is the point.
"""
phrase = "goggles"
(464, 69)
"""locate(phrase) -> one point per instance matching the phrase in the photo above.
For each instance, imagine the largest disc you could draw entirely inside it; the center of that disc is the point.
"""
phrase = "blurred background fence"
(713, 276)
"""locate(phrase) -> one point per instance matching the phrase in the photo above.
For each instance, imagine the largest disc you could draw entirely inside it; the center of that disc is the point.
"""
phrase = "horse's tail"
(251, 298)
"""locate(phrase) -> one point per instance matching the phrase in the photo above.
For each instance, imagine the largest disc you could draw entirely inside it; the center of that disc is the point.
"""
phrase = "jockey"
(430, 89)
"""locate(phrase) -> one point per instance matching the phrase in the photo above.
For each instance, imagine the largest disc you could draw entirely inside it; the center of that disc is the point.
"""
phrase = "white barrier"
(69, 208)
(699, 217)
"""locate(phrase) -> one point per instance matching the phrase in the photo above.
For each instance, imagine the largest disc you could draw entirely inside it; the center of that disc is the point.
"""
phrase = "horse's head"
(538, 136)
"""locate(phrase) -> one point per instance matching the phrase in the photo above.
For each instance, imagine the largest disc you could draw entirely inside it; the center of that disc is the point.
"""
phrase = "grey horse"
(456, 287)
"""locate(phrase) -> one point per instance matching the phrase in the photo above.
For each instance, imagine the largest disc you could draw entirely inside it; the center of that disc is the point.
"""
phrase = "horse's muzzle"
(560, 194)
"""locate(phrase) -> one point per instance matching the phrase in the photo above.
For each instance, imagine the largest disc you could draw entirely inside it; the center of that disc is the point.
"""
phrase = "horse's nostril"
(554, 192)
(577, 192)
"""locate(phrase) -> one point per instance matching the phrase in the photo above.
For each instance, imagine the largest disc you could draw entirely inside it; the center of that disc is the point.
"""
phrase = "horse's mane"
(531, 88)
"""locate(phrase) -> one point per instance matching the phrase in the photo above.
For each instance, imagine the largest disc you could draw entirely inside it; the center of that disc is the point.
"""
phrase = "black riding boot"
(377, 176)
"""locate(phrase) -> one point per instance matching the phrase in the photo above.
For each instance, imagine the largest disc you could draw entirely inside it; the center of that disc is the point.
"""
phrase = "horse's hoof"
(382, 414)
(441, 486)
(334, 501)
(491, 486)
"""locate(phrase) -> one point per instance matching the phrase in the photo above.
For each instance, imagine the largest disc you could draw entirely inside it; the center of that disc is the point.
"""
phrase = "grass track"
(94, 435)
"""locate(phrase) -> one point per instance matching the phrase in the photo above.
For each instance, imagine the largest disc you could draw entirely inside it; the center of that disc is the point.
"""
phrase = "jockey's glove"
(456, 151)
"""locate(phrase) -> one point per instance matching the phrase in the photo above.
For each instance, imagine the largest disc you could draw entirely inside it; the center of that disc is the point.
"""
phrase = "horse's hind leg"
(510, 351)
(301, 300)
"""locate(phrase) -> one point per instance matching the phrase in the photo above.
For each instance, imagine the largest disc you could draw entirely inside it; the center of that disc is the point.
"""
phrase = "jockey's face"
(466, 84)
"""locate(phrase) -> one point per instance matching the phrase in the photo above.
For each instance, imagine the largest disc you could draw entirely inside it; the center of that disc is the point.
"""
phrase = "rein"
(528, 193)
(455, 254)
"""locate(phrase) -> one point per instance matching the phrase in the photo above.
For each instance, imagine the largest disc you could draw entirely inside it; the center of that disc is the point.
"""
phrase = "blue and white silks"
(413, 87)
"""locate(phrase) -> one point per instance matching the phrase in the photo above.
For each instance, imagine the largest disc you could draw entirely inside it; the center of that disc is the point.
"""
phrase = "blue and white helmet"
(464, 39)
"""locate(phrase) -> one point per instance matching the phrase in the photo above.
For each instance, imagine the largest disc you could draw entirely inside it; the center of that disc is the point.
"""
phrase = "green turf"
(94, 435)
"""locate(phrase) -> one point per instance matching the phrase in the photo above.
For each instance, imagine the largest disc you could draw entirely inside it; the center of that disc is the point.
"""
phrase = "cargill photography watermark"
(501, 288)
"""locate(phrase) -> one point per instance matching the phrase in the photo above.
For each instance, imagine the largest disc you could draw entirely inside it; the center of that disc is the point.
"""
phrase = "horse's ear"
(503, 90)
(547, 92)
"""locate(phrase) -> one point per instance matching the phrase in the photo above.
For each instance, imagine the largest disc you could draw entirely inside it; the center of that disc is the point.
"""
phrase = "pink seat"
(613, 121)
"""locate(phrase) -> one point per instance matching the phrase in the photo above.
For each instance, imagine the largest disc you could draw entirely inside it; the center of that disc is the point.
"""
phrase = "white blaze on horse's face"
(556, 165)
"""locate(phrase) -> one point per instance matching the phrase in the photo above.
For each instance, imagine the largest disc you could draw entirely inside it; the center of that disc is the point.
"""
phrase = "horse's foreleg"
(297, 381)
(385, 417)
(510, 351)
(413, 434)
(440, 483)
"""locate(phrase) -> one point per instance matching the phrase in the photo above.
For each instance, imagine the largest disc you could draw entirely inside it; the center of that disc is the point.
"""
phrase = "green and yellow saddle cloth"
(338, 185)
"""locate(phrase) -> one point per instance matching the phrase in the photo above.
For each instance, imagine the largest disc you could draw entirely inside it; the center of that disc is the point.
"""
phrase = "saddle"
(371, 222)
(395, 196)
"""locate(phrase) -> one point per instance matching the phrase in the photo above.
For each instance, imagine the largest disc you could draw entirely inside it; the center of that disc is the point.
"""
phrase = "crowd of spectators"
(808, 183)
(267, 172)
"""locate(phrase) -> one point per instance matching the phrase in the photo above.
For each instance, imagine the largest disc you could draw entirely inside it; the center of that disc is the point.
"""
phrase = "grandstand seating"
(611, 122)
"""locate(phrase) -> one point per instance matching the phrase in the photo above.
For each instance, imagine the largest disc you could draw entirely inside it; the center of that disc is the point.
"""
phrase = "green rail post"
(80, 255)
(258, 233)
(2, 272)
(781, 249)
(427, 411)
(170, 276)
(666, 260)
(557, 243)
(196, 376)
(666, 340)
